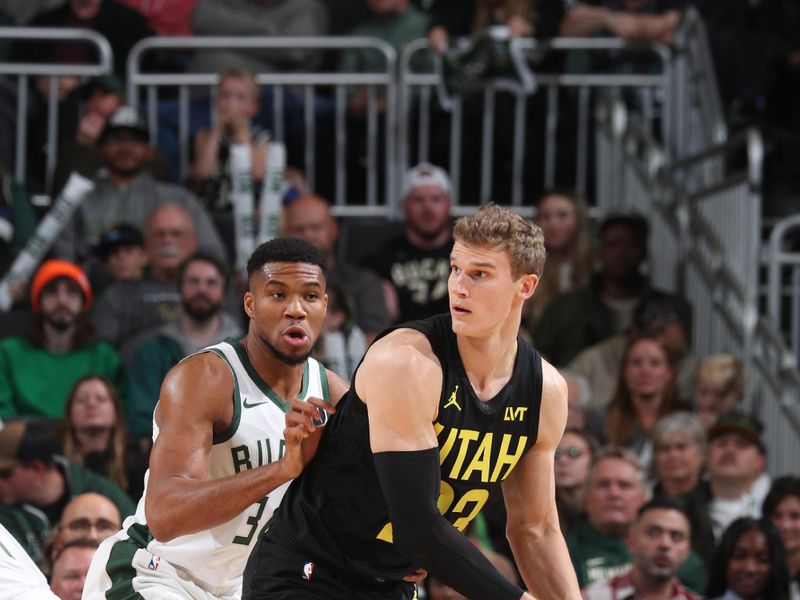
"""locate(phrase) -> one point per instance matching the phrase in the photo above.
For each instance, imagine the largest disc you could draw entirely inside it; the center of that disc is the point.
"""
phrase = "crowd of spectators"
(141, 276)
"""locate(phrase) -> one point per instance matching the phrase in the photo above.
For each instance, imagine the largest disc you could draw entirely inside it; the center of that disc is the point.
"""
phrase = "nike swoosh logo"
(246, 405)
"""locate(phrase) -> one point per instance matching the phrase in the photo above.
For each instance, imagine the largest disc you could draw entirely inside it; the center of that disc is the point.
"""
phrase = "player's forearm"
(177, 505)
(544, 562)
(584, 21)
(409, 481)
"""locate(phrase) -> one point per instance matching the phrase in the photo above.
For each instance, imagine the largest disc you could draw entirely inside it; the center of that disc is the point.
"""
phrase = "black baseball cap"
(741, 423)
(116, 236)
(126, 118)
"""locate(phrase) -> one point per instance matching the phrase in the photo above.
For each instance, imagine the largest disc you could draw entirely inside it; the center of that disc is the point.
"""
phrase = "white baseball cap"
(426, 174)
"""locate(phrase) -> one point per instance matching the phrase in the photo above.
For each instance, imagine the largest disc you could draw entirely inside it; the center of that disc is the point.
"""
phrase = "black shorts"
(276, 573)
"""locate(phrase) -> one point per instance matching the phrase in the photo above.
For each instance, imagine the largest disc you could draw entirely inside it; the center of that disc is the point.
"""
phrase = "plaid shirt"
(621, 588)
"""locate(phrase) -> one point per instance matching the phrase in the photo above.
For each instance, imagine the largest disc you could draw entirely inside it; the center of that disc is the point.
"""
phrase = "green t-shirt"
(35, 382)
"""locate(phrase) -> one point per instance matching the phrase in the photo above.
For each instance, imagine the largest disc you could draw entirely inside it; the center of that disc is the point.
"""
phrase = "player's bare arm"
(532, 527)
(196, 402)
(400, 380)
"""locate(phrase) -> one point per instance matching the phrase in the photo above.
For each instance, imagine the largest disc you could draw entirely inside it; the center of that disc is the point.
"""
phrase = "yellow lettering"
(466, 436)
(504, 458)
(482, 460)
(445, 448)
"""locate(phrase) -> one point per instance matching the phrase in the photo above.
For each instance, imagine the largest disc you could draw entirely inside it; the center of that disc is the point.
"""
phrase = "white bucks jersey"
(217, 556)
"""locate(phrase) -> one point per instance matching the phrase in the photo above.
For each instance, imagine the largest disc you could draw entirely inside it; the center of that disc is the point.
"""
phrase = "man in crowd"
(130, 307)
(659, 543)
(588, 315)
(90, 516)
(36, 483)
(202, 282)
(615, 493)
(737, 480)
(416, 265)
(124, 192)
(309, 218)
(38, 370)
(70, 567)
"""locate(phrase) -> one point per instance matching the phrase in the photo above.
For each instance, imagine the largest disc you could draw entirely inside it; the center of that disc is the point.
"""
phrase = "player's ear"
(248, 304)
(529, 283)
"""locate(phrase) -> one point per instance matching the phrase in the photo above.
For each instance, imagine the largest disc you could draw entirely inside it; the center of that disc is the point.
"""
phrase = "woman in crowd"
(720, 387)
(570, 258)
(749, 563)
(93, 434)
(573, 458)
(679, 445)
(646, 391)
(782, 507)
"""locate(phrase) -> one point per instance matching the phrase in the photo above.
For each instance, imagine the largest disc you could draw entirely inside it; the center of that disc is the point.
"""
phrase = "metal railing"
(23, 73)
(284, 83)
(706, 244)
(783, 281)
(417, 91)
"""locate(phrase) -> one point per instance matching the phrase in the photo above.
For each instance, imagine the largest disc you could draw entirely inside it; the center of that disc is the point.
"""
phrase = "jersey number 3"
(476, 497)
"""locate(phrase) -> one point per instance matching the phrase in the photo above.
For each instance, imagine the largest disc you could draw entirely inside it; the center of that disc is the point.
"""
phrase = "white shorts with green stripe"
(122, 569)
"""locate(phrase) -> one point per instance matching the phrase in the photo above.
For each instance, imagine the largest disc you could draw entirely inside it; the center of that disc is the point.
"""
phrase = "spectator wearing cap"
(37, 370)
(37, 483)
(736, 464)
(124, 192)
(416, 265)
(603, 308)
(100, 97)
(120, 250)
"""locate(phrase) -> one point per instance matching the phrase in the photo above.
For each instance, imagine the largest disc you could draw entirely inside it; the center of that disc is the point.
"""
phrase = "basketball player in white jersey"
(226, 444)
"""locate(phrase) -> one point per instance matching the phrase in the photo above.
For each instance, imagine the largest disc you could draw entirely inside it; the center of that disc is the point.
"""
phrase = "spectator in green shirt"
(38, 370)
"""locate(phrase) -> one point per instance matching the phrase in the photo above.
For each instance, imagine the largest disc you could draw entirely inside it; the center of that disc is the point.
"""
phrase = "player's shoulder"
(402, 358)
(204, 371)
(553, 383)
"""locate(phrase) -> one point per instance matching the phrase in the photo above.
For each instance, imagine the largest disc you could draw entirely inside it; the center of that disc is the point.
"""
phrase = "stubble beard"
(292, 361)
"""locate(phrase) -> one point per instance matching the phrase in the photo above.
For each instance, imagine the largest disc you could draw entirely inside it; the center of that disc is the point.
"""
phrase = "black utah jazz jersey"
(335, 512)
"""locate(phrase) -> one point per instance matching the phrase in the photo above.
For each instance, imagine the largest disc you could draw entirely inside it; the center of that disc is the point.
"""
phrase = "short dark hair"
(636, 222)
(77, 543)
(663, 503)
(285, 249)
(783, 487)
(655, 310)
(219, 265)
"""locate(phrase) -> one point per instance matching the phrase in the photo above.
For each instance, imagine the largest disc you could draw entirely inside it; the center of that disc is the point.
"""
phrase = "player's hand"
(416, 577)
(302, 419)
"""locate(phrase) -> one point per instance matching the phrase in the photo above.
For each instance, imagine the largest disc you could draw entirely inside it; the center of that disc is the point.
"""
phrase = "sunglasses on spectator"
(572, 452)
(6, 473)
(82, 526)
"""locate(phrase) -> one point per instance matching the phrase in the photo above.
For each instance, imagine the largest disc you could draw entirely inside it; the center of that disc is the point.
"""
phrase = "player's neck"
(284, 379)
(488, 361)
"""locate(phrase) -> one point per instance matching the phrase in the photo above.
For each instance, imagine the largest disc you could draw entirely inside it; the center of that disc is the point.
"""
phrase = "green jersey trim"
(260, 383)
(119, 566)
(323, 378)
(220, 438)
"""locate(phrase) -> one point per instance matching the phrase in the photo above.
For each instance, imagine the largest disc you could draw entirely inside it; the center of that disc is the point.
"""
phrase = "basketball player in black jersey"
(440, 411)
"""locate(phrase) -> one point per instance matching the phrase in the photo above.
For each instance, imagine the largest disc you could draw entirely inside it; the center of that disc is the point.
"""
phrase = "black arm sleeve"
(410, 485)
